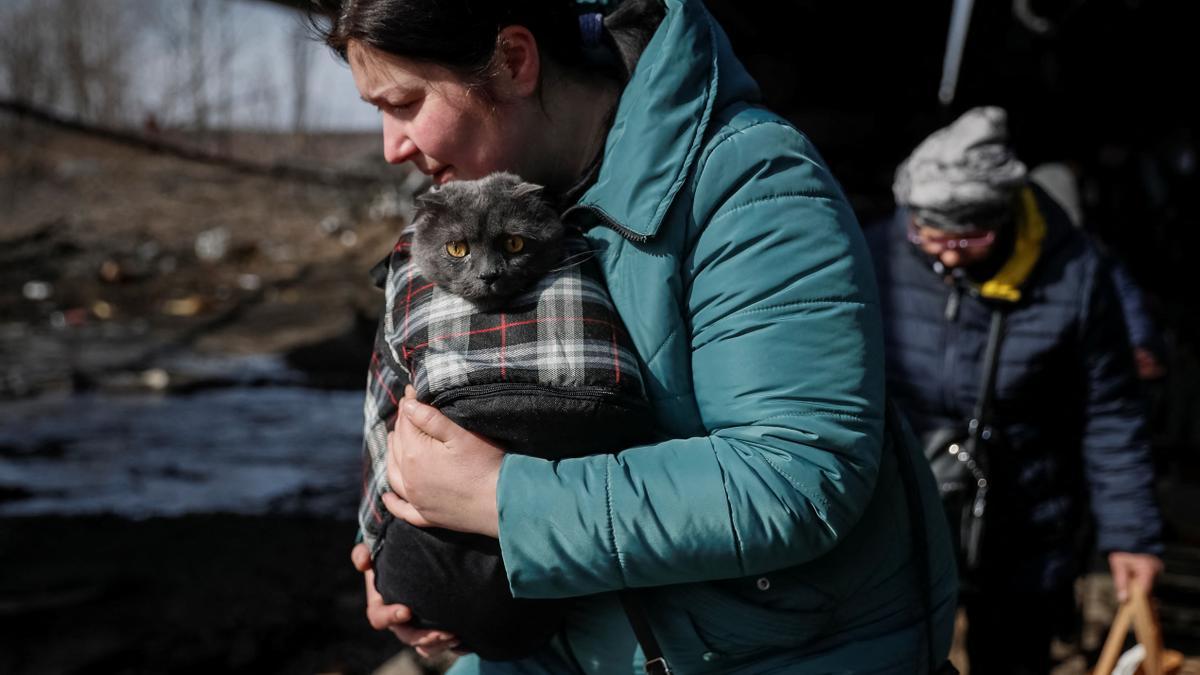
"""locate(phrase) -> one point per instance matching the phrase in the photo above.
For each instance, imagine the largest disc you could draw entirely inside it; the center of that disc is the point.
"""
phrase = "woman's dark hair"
(461, 34)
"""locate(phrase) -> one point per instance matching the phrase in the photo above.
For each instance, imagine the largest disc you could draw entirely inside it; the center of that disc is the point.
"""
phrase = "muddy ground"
(111, 256)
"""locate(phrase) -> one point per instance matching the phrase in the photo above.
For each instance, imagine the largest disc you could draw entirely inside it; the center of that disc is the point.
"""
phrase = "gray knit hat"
(962, 175)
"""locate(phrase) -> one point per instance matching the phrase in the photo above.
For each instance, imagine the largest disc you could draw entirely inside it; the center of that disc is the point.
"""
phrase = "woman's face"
(431, 119)
(973, 247)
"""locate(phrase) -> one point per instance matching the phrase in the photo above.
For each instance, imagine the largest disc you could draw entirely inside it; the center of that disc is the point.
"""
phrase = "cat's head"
(486, 240)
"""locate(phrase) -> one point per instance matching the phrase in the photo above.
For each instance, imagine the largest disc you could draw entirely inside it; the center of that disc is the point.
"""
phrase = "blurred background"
(191, 194)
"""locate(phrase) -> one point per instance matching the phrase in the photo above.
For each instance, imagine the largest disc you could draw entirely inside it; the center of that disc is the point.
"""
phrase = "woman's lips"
(443, 175)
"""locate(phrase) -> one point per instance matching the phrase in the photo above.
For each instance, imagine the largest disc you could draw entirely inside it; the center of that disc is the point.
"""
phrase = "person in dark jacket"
(971, 235)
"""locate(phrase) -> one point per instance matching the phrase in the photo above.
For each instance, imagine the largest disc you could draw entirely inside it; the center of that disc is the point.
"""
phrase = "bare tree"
(198, 70)
(172, 67)
(301, 66)
(27, 58)
(84, 57)
(302, 55)
(95, 42)
(227, 51)
(70, 55)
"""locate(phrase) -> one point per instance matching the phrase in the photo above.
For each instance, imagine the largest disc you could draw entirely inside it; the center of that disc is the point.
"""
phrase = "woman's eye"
(457, 249)
(514, 243)
(395, 108)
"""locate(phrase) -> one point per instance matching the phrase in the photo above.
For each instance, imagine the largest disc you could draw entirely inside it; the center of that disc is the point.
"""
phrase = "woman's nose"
(397, 146)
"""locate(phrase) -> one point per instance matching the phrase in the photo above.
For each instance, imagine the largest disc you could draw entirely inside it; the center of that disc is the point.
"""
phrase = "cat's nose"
(489, 276)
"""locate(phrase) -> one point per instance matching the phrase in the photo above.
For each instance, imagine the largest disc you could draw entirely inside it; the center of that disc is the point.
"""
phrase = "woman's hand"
(441, 475)
(1133, 570)
(381, 616)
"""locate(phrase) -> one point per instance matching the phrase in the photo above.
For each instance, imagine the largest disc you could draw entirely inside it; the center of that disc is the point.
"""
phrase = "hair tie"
(591, 28)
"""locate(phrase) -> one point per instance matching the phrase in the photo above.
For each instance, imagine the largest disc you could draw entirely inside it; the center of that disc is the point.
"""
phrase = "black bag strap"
(656, 663)
(979, 432)
(987, 385)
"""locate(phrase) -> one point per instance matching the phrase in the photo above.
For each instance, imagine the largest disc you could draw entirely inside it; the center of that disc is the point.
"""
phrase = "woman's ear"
(519, 63)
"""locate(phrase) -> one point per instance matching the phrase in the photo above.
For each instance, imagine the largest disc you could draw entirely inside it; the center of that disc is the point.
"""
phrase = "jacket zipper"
(608, 222)
(949, 373)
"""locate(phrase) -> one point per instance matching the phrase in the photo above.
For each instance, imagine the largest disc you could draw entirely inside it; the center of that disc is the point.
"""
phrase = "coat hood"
(686, 71)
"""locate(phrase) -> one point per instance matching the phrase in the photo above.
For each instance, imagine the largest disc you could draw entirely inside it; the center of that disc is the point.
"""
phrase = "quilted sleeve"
(787, 362)
(1116, 448)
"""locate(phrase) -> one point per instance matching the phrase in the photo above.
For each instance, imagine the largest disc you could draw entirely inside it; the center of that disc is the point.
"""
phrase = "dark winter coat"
(1067, 402)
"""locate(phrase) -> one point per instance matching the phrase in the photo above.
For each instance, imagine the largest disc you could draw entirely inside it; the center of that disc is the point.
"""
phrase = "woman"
(1069, 450)
(770, 531)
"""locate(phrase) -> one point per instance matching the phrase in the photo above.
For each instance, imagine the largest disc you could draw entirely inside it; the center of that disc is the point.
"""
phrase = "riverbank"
(163, 324)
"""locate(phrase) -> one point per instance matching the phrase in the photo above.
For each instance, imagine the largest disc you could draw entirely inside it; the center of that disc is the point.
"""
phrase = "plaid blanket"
(552, 375)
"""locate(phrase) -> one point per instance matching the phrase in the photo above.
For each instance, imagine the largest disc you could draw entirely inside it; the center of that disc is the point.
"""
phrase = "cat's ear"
(432, 199)
(528, 190)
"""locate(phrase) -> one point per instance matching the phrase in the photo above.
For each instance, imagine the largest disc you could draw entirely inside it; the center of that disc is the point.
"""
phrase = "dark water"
(274, 447)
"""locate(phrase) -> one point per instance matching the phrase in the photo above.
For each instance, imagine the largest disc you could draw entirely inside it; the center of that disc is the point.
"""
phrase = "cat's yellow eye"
(457, 249)
(513, 243)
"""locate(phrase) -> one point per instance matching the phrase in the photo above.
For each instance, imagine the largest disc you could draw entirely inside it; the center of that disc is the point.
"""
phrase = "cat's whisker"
(577, 259)
(574, 260)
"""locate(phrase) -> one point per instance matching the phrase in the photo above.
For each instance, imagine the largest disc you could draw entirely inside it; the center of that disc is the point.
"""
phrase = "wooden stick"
(1147, 632)
(1115, 641)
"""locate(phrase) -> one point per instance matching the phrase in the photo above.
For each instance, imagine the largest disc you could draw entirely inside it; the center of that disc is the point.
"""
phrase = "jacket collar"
(662, 119)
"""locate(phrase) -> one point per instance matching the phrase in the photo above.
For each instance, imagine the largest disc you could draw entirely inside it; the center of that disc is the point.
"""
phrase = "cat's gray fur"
(483, 213)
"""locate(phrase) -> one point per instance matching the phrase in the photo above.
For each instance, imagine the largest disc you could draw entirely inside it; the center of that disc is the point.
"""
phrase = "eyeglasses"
(951, 242)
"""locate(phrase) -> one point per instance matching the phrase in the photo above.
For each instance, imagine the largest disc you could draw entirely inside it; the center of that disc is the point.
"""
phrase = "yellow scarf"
(1031, 230)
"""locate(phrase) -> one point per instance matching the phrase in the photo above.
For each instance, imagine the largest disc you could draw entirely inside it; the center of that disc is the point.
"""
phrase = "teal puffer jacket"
(768, 529)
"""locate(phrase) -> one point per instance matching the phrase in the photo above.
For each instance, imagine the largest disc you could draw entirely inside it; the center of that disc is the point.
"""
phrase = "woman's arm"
(787, 366)
(1116, 446)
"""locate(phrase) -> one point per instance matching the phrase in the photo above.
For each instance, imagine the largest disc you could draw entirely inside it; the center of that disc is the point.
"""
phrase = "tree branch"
(141, 142)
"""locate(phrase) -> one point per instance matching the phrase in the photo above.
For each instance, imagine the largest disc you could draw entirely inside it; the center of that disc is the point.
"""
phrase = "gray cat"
(554, 377)
(486, 240)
